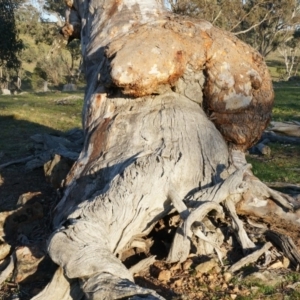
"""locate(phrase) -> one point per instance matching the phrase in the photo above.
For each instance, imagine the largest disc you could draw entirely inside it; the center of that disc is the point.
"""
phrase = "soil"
(27, 230)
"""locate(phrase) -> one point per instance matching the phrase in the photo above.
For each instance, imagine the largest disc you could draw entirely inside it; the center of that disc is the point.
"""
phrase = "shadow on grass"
(15, 139)
(15, 143)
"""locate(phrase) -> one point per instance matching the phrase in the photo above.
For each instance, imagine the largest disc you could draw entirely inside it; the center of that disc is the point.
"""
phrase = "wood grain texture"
(170, 105)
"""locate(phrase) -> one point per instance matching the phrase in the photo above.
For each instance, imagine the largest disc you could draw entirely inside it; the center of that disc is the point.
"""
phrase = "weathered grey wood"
(273, 137)
(142, 265)
(284, 185)
(286, 244)
(181, 245)
(60, 288)
(9, 268)
(237, 224)
(263, 148)
(253, 257)
(286, 128)
(16, 161)
(197, 232)
(261, 192)
(166, 123)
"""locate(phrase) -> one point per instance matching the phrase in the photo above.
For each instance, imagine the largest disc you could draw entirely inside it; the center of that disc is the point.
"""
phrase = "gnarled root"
(60, 288)
(106, 286)
(212, 196)
(237, 225)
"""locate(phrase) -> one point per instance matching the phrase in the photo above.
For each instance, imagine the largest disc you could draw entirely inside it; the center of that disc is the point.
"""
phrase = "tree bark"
(170, 105)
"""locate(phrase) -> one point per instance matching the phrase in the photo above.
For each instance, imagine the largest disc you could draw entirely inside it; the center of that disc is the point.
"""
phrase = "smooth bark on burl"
(171, 103)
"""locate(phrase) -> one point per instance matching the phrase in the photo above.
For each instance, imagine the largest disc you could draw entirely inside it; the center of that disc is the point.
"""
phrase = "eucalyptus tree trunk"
(170, 106)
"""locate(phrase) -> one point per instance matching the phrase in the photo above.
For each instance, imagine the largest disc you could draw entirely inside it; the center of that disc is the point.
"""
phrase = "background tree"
(56, 8)
(10, 44)
(289, 50)
(264, 24)
(29, 22)
(74, 50)
(42, 51)
(50, 69)
(279, 22)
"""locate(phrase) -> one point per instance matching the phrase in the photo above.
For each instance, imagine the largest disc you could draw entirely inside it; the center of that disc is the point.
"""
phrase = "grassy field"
(284, 163)
(26, 114)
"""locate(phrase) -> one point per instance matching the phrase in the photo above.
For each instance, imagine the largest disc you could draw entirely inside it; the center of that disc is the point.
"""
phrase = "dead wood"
(261, 148)
(47, 146)
(166, 124)
(246, 243)
(142, 265)
(286, 245)
(9, 268)
(276, 138)
(66, 100)
(287, 128)
(284, 185)
(60, 288)
(251, 258)
(4, 250)
(16, 161)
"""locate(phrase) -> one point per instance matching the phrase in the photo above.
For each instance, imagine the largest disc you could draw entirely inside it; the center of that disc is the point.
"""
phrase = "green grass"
(262, 290)
(282, 166)
(24, 115)
(284, 163)
(287, 102)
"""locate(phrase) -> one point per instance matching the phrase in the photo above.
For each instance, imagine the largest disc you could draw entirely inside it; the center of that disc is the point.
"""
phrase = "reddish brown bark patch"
(114, 8)
(98, 139)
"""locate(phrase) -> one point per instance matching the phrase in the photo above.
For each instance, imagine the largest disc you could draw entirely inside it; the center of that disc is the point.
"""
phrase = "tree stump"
(171, 105)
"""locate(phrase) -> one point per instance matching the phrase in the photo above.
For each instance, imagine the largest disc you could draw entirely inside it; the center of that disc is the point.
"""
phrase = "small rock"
(6, 92)
(187, 264)
(28, 260)
(294, 286)
(211, 277)
(254, 289)
(285, 262)
(227, 276)
(164, 275)
(206, 266)
(276, 265)
(224, 286)
(24, 198)
(178, 282)
(217, 269)
(176, 267)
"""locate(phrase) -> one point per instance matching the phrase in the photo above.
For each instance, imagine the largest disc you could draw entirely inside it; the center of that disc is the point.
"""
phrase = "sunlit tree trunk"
(171, 104)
